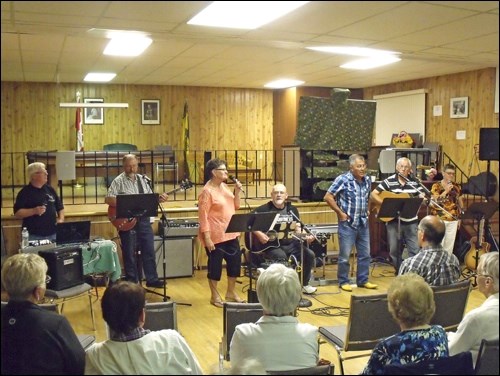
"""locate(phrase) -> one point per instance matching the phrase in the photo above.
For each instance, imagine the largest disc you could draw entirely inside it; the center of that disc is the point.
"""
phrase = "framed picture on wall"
(150, 111)
(93, 115)
(459, 107)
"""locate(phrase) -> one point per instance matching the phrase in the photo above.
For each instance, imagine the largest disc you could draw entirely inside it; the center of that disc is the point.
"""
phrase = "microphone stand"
(429, 194)
(162, 225)
(303, 303)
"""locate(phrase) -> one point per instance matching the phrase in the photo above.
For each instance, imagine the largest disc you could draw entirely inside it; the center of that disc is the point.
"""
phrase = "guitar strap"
(139, 184)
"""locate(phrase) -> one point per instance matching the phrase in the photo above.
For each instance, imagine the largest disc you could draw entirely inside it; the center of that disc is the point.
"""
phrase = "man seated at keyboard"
(284, 240)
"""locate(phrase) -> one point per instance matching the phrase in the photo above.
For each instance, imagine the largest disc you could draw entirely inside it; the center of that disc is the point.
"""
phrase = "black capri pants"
(230, 252)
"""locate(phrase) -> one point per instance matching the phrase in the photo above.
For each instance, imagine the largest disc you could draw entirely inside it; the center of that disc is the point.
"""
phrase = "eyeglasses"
(449, 173)
(405, 167)
(483, 275)
(221, 169)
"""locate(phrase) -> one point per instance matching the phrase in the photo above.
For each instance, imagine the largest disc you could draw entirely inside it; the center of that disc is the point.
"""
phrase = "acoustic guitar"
(478, 248)
(127, 224)
(375, 207)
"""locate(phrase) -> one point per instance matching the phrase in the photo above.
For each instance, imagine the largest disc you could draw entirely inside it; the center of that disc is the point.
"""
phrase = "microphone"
(148, 180)
(236, 181)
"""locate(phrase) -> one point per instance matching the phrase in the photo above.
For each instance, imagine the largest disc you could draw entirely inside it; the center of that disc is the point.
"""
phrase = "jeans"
(294, 249)
(141, 237)
(408, 232)
(348, 237)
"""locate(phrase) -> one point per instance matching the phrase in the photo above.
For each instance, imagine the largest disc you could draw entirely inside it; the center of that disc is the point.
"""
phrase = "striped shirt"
(435, 265)
(352, 197)
(122, 184)
(392, 184)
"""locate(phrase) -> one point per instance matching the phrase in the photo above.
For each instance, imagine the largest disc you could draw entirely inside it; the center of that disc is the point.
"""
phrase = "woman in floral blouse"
(411, 304)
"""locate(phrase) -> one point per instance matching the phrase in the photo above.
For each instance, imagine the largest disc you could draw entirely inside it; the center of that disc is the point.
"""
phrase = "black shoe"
(155, 284)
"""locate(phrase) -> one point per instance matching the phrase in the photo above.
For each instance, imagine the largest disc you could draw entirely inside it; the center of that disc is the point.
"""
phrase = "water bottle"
(25, 238)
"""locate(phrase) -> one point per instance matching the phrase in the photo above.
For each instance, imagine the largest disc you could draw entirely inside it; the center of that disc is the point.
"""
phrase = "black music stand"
(138, 206)
(393, 207)
(248, 223)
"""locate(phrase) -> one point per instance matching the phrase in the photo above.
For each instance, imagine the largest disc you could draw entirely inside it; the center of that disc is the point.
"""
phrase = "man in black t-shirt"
(38, 205)
(281, 243)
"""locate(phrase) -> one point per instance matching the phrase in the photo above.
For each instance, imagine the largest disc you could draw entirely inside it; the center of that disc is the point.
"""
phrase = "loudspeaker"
(65, 267)
(65, 165)
(488, 144)
(178, 256)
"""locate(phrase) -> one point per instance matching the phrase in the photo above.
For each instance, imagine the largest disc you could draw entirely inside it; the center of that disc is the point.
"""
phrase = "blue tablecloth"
(101, 257)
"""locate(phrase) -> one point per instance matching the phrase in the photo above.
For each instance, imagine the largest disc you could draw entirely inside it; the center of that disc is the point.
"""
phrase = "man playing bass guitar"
(130, 182)
(402, 185)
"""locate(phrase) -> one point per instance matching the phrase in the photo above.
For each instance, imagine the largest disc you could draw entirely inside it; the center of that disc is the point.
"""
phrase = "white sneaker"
(309, 289)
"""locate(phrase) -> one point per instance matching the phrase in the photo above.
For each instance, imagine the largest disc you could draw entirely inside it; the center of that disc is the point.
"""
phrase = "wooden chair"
(234, 314)
(369, 322)
(487, 358)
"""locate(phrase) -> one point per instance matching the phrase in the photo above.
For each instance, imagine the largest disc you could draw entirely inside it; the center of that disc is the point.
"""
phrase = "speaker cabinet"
(488, 144)
(178, 256)
(65, 165)
(65, 267)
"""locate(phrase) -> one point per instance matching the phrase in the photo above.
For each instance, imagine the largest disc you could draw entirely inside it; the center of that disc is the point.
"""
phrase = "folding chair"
(459, 364)
(72, 293)
(234, 314)
(162, 315)
(326, 369)
(487, 358)
(369, 321)
(451, 301)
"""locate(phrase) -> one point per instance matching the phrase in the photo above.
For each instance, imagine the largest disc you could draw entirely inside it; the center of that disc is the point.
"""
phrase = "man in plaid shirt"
(433, 263)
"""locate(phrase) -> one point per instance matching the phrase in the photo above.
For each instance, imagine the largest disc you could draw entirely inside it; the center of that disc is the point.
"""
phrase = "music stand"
(138, 206)
(393, 207)
(248, 223)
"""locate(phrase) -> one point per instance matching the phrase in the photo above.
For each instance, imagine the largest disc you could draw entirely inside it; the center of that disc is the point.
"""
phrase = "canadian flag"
(79, 125)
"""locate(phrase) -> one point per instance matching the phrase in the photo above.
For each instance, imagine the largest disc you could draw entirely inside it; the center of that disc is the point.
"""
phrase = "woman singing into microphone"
(216, 205)
(447, 193)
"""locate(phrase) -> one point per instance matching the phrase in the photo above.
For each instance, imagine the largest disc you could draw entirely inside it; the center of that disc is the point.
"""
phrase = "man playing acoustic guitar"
(130, 182)
(279, 243)
(400, 185)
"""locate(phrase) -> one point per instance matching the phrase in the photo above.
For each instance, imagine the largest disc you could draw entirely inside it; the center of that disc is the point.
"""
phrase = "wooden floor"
(201, 323)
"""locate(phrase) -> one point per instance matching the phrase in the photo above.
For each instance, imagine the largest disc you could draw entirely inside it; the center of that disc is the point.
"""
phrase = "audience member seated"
(482, 322)
(277, 340)
(35, 340)
(131, 349)
(433, 263)
(411, 304)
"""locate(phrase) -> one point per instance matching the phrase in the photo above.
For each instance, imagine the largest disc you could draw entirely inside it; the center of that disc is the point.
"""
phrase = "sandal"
(235, 300)
(217, 303)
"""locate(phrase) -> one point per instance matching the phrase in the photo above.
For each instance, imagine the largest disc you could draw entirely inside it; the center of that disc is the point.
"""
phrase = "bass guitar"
(478, 248)
(127, 224)
(375, 207)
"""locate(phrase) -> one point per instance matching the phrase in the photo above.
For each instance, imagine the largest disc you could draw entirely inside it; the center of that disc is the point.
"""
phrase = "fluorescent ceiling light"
(282, 84)
(96, 104)
(353, 51)
(371, 62)
(99, 77)
(127, 44)
(243, 14)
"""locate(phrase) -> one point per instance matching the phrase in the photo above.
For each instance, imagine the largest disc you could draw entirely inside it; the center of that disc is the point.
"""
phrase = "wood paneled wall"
(479, 86)
(220, 118)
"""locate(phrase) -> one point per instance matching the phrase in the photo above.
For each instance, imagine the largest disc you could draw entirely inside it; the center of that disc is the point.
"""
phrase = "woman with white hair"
(35, 341)
(38, 205)
(277, 340)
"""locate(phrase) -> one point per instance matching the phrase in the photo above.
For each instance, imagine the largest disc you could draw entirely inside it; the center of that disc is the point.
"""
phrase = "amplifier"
(178, 228)
(65, 267)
